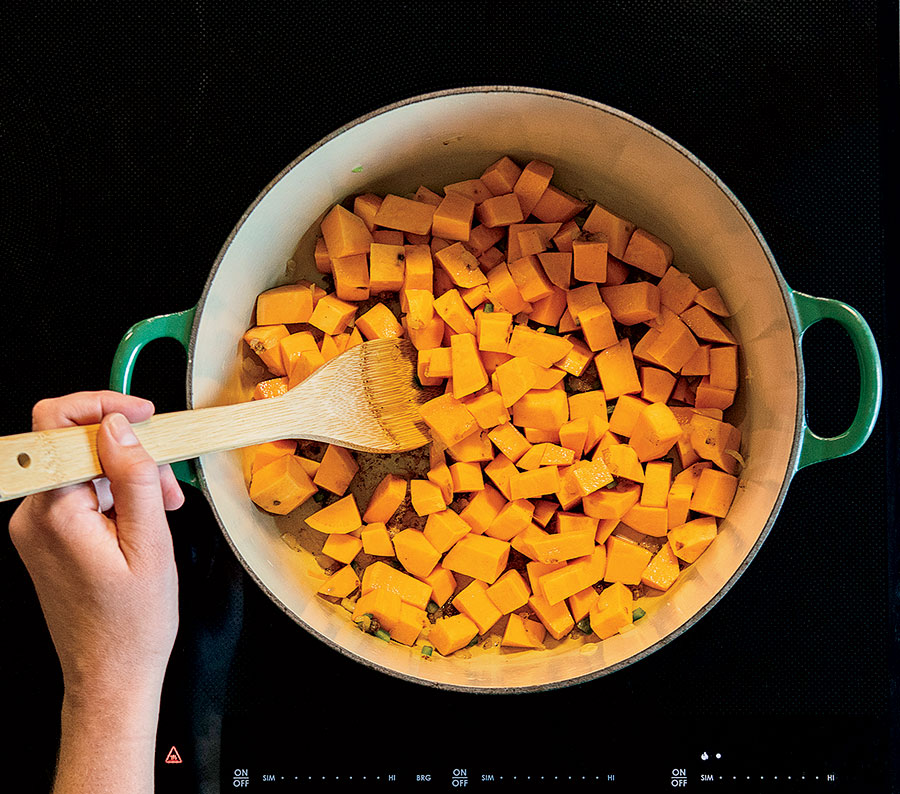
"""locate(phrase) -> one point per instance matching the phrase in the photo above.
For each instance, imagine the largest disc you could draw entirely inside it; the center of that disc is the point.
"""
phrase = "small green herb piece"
(488, 308)
(584, 625)
(475, 640)
(638, 614)
(432, 607)
(364, 622)
(383, 635)
(427, 650)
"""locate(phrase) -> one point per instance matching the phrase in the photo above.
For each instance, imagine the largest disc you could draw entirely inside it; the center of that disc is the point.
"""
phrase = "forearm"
(107, 742)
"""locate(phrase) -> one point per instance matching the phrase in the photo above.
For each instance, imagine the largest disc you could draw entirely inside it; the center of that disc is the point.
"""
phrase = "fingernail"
(121, 430)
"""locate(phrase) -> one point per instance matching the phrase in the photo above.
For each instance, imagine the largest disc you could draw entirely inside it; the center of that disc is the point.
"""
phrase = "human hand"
(100, 555)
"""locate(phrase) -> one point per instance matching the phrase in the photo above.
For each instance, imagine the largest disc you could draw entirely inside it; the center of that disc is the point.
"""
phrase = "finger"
(134, 481)
(75, 409)
(49, 514)
(88, 407)
(104, 495)
(173, 496)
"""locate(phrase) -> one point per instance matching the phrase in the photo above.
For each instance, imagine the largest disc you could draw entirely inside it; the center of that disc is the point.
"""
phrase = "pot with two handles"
(599, 153)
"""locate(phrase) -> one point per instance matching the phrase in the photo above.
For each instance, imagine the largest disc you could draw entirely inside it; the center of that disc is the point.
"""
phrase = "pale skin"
(101, 558)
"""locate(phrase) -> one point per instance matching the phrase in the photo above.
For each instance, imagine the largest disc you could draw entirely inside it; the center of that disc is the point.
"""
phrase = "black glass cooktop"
(134, 139)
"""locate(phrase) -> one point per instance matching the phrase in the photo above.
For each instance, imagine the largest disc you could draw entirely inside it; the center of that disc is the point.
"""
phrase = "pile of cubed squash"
(580, 450)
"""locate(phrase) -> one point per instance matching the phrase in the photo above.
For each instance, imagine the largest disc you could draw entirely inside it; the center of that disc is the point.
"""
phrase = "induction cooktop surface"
(133, 142)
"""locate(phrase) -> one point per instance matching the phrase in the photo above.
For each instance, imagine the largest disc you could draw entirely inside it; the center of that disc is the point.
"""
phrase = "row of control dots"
(460, 778)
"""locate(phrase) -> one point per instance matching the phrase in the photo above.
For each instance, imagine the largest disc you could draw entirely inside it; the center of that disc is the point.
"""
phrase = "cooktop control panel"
(699, 775)
(639, 768)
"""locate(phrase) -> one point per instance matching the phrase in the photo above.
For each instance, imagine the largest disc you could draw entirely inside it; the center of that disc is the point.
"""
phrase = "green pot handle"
(810, 310)
(177, 325)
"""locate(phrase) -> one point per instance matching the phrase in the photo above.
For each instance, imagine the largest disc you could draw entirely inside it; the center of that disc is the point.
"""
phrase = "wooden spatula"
(366, 399)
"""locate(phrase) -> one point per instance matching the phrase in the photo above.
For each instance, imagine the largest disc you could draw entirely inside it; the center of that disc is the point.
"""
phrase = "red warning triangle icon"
(173, 757)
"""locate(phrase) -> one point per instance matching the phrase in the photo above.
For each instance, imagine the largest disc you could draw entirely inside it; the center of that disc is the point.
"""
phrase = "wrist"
(131, 702)
(123, 723)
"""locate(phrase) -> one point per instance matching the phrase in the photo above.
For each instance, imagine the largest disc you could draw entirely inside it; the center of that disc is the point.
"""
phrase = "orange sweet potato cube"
(376, 540)
(409, 624)
(264, 454)
(612, 611)
(482, 509)
(426, 497)
(617, 371)
(633, 302)
(340, 584)
(662, 571)
(478, 556)
(690, 540)
(500, 177)
(655, 432)
(443, 584)
(625, 561)
(556, 617)
(452, 218)
(528, 275)
(407, 215)
(460, 265)
(337, 469)
(379, 322)
(541, 409)
(444, 529)
(451, 634)
(531, 184)
(557, 205)
(676, 290)
(342, 548)
(467, 370)
(351, 277)
(281, 486)
(272, 387)
(415, 552)
(498, 211)
(419, 267)
(345, 234)
(714, 492)
(339, 517)
(292, 303)
(448, 419)
(473, 602)
(589, 259)
(509, 592)
(387, 267)
(523, 633)
(647, 252)
(331, 314)
(265, 341)
(615, 229)
(386, 498)
(706, 326)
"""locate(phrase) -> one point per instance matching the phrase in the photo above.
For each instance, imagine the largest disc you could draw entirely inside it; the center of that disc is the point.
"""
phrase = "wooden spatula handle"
(39, 461)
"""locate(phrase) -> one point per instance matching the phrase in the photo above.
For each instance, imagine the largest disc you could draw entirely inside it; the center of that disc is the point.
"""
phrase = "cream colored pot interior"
(598, 153)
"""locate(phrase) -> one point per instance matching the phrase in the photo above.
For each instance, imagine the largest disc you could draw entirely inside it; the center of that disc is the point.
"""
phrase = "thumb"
(135, 487)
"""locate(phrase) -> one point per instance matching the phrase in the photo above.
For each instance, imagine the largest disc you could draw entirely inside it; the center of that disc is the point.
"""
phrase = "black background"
(131, 141)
